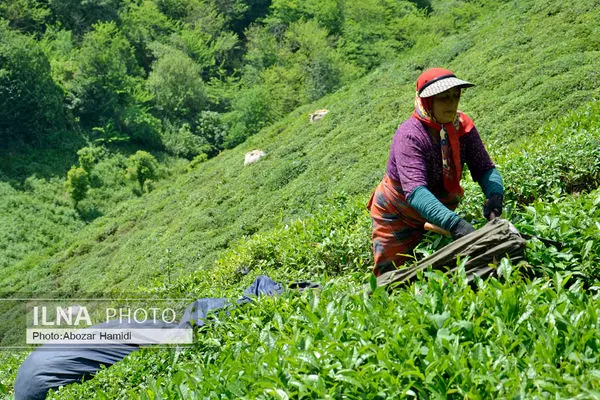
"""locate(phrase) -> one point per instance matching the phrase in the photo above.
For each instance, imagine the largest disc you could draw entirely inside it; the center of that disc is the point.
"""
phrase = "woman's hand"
(462, 228)
(493, 207)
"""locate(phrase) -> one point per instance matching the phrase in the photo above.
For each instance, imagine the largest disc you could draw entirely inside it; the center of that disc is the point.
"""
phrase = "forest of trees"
(188, 77)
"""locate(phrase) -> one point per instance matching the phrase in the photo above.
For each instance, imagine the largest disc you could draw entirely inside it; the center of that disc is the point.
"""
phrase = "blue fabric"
(263, 285)
(197, 312)
(422, 200)
(52, 366)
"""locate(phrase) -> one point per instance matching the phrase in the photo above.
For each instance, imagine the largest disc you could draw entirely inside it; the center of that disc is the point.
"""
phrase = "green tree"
(241, 14)
(310, 51)
(79, 16)
(142, 127)
(205, 36)
(77, 184)
(175, 9)
(423, 4)
(215, 54)
(322, 76)
(262, 51)
(31, 104)
(25, 15)
(59, 46)
(279, 76)
(105, 79)
(327, 13)
(142, 166)
(176, 85)
(142, 24)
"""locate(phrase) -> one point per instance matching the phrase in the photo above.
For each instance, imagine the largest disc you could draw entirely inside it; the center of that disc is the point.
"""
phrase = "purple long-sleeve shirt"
(416, 160)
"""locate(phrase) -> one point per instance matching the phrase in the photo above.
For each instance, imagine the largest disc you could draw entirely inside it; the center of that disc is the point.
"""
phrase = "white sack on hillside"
(253, 156)
(317, 115)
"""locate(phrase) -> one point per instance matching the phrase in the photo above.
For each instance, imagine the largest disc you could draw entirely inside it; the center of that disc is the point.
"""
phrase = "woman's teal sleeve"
(422, 200)
(491, 183)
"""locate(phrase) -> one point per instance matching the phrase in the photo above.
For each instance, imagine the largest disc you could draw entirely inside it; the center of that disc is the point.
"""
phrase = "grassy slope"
(36, 213)
(208, 209)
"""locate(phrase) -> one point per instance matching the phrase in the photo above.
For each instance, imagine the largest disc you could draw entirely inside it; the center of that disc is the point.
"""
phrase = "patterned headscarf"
(449, 132)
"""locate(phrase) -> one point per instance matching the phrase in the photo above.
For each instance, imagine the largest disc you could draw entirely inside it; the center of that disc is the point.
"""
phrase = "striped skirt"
(397, 227)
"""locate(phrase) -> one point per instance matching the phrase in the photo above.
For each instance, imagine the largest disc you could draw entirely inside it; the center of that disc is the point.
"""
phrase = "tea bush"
(438, 338)
(572, 221)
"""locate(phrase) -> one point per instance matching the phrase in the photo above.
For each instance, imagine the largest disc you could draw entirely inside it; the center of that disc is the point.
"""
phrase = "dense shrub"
(142, 128)
(562, 159)
(199, 159)
(251, 110)
(205, 135)
(142, 166)
(573, 222)
(149, 185)
(77, 184)
(89, 156)
(211, 128)
(182, 142)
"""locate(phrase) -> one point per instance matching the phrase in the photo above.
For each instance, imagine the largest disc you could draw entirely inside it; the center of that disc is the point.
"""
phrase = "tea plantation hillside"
(522, 84)
(209, 228)
(531, 333)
